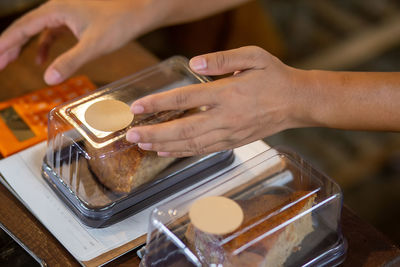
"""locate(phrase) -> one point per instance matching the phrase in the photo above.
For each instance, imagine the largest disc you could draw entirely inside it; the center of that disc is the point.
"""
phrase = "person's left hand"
(260, 99)
(99, 26)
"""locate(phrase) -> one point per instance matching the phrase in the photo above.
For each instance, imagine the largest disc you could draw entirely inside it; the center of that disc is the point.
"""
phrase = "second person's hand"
(100, 27)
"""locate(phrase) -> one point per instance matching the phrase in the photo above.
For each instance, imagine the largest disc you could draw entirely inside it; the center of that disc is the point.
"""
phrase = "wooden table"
(367, 246)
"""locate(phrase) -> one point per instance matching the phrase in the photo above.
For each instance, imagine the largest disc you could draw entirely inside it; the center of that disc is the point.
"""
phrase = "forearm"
(353, 100)
(181, 11)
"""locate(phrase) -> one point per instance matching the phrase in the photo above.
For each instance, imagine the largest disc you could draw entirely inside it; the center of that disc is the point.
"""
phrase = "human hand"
(263, 97)
(100, 26)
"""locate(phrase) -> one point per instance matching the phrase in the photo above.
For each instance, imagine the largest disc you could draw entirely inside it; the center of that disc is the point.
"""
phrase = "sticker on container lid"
(216, 215)
(108, 115)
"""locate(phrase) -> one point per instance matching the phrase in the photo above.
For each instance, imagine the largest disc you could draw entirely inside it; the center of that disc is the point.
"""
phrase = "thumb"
(67, 63)
(218, 63)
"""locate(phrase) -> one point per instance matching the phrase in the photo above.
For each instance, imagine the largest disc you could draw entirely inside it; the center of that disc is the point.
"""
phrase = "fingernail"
(198, 63)
(132, 137)
(163, 154)
(137, 109)
(145, 146)
(52, 77)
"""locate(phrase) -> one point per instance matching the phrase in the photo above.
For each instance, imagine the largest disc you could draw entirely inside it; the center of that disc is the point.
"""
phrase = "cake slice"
(122, 166)
(251, 245)
(123, 171)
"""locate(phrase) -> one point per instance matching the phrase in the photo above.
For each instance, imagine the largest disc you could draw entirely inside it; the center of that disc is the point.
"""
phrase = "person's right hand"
(100, 26)
(263, 96)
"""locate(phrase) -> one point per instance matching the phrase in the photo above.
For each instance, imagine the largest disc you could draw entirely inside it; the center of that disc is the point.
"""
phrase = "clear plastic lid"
(291, 218)
(97, 170)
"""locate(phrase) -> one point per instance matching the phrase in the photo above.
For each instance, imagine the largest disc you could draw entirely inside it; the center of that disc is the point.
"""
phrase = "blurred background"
(356, 35)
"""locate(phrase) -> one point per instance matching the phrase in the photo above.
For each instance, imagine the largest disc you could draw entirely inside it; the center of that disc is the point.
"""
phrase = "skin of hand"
(262, 97)
(255, 102)
(100, 26)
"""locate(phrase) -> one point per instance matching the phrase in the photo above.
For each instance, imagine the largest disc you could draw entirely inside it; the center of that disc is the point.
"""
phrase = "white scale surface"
(22, 174)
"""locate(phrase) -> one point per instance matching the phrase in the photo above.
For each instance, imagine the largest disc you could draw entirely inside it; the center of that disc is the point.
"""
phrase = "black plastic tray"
(178, 175)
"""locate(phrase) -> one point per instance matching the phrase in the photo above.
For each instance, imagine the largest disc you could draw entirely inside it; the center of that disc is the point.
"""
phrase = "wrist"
(147, 15)
(307, 99)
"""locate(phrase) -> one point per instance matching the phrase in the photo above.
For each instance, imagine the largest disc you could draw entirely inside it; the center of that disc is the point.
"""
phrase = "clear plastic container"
(102, 177)
(291, 218)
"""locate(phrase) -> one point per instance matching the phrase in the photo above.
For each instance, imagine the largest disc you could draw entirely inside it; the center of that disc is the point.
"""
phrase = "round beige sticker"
(108, 115)
(216, 215)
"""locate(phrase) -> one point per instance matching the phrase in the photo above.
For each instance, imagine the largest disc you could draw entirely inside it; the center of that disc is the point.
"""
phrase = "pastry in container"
(291, 217)
(102, 177)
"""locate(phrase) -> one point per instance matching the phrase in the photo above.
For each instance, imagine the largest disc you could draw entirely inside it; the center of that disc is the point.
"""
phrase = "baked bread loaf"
(122, 166)
(261, 214)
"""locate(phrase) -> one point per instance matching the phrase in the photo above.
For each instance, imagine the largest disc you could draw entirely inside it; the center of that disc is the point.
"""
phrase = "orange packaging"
(23, 120)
